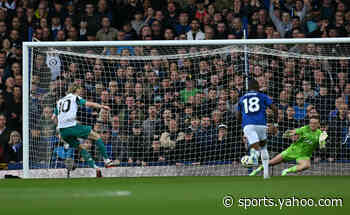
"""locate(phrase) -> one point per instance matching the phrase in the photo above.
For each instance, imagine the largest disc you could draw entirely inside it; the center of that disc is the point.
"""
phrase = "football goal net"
(173, 103)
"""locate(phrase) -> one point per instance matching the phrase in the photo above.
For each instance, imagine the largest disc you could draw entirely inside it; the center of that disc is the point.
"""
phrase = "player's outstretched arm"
(289, 133)
(96, 105)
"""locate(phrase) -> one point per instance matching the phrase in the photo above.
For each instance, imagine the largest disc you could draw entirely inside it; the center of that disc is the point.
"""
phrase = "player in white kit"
(70, 130)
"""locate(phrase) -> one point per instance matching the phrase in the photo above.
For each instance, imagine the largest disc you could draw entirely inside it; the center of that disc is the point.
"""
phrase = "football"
(247, 161)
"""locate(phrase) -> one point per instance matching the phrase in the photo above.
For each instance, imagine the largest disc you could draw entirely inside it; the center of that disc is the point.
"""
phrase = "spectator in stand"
(71, 10)
(168, 141)
(227, 118)
(221, 31)
(137, 23)
(183, 26)
(42, 10)
(309, 93)
(237, 27)
(338, 102)
(117, 139)
(106, 138)
(124, 114)
(157, 30)
(3, 108)
(171, 17)
(327, 9)
(222, 147)
(58, 9)
(190, 90)
(104, 10)
(346, 93)
(324, 102)
(93, 19)
(166, 116)
(149, 16)
(22, 29)
(206, 133)
(339, 130)
(300, 107)
(282, 24)
(3, 30)
(106, 33)
(289, 121)
(130, 33)
(201, 12)
(47, 125)
(8, 89)
(195, 33)
(169, 34)
(232, 102)
(209, 32)
(15, 107)
(126, 12)
(187, 150)
(15, 148)
(138, 147)
(301, 8)
(4, 139)
(152, 125)
(61, 35)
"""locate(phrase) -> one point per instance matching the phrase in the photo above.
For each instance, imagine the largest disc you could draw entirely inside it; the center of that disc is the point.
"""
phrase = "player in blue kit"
(252, 111)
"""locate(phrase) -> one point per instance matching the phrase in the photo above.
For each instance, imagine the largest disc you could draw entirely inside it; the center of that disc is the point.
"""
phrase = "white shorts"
(255, 133)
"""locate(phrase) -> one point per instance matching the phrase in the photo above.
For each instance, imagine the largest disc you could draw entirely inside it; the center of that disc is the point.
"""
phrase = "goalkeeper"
(306, 138)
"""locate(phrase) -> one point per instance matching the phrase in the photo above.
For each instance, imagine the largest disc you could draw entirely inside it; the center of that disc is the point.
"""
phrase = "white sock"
(255, 153)
(265, 161)
(106, 160)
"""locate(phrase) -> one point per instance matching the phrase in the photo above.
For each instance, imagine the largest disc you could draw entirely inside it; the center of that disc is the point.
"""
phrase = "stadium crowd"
(172, 111)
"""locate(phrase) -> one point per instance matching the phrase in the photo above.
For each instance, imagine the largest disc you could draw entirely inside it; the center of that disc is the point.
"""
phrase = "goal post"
(142, 73)
(25, 95)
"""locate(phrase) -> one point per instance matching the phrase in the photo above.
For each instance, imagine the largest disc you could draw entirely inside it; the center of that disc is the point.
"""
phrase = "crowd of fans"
(172, 111)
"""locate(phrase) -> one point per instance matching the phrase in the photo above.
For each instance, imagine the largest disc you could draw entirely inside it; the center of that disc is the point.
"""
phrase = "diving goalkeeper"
(307, 138)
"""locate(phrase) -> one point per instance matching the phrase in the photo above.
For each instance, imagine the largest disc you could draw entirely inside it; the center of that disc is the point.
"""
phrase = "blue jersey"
(253, 106)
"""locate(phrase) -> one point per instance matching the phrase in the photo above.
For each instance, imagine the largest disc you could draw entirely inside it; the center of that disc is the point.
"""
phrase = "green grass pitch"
(168, 195)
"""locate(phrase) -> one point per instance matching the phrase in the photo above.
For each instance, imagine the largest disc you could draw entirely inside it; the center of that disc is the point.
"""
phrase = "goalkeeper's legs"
(302, 165)
(274, 161)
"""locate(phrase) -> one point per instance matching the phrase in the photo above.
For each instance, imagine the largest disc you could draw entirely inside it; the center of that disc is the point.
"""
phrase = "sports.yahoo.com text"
(247, 202)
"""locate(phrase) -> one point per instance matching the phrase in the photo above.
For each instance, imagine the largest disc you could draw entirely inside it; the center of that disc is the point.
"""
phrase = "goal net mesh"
(173, 107)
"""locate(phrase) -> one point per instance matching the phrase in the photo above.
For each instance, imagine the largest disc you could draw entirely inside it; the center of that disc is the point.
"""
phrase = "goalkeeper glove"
(286, 134)
(322, 139)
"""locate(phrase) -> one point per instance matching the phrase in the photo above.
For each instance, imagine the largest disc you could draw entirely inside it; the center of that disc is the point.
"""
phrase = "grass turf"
(167, 195)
